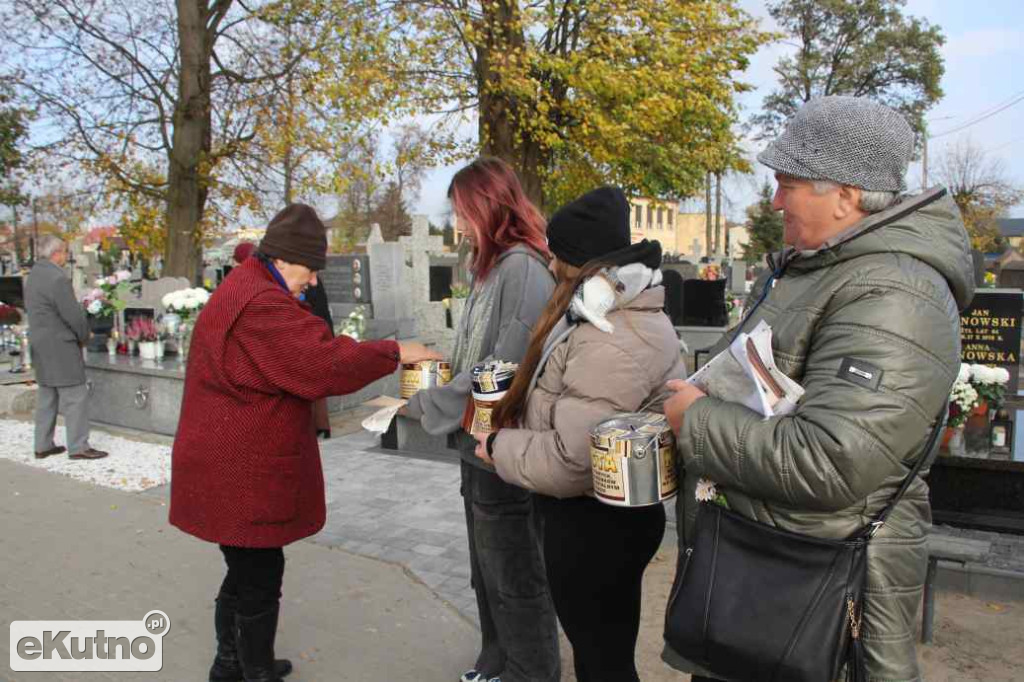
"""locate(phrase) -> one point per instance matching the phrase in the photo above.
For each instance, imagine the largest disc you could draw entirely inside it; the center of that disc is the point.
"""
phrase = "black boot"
(226, 665)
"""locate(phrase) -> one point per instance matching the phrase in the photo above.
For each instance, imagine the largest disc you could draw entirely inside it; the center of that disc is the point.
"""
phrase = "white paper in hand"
(379, 421)
(745, 373)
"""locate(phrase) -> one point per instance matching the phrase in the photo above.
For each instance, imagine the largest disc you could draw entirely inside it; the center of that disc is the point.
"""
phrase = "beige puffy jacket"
(588, 377)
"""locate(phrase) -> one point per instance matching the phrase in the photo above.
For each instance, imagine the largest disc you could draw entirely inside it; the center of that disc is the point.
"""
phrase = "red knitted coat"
(245, 469)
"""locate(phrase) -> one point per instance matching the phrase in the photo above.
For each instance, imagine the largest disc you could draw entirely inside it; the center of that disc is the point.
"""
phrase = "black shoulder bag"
(755, 603)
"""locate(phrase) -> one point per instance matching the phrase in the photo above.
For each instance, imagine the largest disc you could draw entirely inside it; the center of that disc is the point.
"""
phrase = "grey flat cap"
(848, 140)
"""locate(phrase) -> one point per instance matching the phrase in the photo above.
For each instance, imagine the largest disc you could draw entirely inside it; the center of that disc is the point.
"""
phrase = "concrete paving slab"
(71, 550)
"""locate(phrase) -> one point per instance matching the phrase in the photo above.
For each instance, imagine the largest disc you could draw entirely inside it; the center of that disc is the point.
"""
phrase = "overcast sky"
(984, 54)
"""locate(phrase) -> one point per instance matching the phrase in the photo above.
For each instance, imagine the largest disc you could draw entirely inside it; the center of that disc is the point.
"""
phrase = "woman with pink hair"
(511, 285)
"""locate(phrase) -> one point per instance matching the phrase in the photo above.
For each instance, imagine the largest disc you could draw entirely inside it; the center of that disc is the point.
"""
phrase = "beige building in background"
(681, 232)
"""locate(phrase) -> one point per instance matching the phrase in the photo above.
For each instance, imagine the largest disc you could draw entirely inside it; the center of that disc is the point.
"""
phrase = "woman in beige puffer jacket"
(588, 361)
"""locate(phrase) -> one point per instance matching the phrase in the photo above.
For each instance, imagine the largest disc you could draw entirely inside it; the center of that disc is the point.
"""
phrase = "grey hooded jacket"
(884, 296)
(496, 324)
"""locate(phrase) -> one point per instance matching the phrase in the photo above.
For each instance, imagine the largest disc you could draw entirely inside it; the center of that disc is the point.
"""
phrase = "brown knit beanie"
(297, 235)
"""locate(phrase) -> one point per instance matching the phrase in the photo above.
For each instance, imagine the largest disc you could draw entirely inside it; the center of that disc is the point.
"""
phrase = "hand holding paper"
(745, 373)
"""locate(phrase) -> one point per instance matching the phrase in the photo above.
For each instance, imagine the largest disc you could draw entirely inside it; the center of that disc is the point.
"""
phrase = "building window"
(638, 211)
(650, 218)
(661, 218)
(669, 221)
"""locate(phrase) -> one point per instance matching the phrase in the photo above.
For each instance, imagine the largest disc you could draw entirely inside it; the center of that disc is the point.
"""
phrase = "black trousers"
(595, 556)
(518, 629)
(253, 579)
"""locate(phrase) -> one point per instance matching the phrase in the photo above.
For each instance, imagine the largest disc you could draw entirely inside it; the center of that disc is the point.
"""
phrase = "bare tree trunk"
(18, 251)
(191, 142)
(718, 215)
(708, 229)
(504, 37)
(289, 163)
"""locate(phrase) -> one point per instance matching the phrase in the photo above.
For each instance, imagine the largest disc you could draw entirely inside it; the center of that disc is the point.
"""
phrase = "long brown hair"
(488, 195)
(510, 409)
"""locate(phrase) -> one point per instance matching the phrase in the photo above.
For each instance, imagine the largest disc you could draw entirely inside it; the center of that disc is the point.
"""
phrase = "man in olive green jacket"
(864, 307)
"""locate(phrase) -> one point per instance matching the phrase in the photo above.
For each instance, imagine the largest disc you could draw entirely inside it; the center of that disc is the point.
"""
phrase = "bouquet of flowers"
(186, 302)
(107, 296)
(355, 324)
(710, 272)
(989, 383)
(142, 329)
(732, 303)
(990, 280)
(962, 398)
(9, 314)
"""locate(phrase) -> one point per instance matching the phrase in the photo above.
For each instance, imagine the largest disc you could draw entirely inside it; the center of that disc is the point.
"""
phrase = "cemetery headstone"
(990, 331)
(12, 290)
(391, 308)
(738, 277)
(431, 317)
(346, 279)
(673, 282)
(704, 303)
(152, 292)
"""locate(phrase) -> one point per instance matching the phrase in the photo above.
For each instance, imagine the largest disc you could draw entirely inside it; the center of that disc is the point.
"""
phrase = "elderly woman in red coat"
(245, 467)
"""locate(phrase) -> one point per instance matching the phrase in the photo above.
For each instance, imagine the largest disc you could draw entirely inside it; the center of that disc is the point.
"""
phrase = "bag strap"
(880, 520)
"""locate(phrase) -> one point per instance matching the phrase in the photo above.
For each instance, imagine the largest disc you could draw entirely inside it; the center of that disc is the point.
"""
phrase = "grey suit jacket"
(57, 326)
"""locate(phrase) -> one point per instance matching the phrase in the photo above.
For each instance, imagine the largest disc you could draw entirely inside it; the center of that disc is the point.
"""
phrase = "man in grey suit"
(58, 330)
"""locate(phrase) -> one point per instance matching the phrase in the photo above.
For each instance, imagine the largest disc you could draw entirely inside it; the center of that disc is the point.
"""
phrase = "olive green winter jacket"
(884, 296)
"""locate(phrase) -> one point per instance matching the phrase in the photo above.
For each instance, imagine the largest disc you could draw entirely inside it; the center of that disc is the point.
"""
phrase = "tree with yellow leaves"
(573, 93)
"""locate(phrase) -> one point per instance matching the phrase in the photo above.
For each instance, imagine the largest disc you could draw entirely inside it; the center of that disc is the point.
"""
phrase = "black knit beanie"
(297, 235)
(592, 226)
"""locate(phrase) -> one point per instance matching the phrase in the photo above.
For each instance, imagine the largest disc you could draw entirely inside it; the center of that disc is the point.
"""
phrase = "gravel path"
(131, 466)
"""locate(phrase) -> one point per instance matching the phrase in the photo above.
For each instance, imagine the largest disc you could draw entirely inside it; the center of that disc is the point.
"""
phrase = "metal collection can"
(490, 383)
(420, 375)
(633, 460)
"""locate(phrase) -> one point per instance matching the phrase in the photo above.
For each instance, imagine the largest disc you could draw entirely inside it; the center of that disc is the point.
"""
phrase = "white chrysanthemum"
(965, 373)
(706, 491)
(964, 395)
(95, 307)
(100, 281)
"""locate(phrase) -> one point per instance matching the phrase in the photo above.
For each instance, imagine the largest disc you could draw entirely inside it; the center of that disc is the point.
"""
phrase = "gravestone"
(346, 279)
(990, 331)
(152, 292)
(391, 310)
(431, 317)
(695, 250)
(704, 303)
(12, 290)
(738, 277)
(673, 283)
(440, 282)
(686, 270)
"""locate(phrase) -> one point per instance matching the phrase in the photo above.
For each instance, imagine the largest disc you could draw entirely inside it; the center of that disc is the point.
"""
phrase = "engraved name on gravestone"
(347, 279)
(990, 331)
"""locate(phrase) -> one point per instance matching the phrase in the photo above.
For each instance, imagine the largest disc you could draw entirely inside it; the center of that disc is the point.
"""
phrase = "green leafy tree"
(13, 130)
(764, 225)
(864, 48)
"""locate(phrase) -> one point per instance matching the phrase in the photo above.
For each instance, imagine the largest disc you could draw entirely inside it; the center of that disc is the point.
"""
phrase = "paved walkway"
(75, 551)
